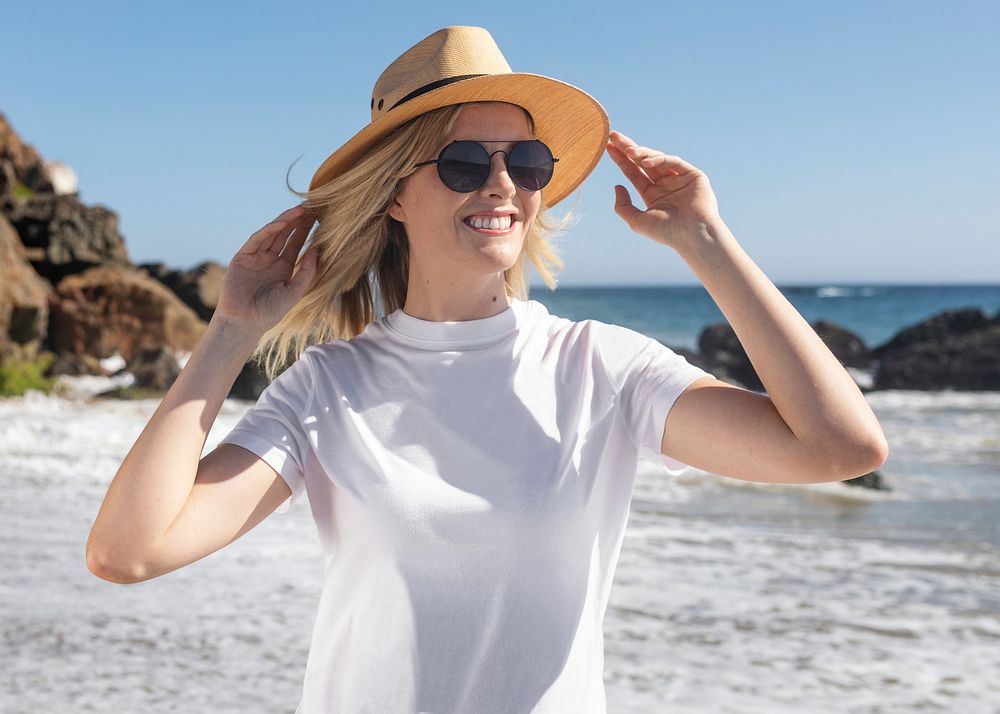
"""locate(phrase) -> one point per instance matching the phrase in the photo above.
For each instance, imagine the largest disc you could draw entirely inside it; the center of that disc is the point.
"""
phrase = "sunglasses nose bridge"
(506, 155)
(504, 166)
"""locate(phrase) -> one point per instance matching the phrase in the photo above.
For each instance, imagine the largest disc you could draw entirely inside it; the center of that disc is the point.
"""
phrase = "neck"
(454, 299)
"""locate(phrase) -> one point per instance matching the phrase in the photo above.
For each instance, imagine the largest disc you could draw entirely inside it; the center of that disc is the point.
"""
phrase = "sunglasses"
(464, 166)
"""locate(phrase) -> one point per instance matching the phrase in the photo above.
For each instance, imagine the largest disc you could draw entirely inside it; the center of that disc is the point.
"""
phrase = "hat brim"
(572, 123)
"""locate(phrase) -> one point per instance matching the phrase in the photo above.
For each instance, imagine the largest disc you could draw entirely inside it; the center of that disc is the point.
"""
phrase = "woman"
(468, 458)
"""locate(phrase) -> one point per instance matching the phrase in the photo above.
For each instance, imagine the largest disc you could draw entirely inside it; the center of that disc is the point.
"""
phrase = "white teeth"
(495, 223)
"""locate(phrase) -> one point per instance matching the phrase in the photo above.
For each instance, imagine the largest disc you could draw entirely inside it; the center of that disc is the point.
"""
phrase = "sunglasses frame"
(489, 158)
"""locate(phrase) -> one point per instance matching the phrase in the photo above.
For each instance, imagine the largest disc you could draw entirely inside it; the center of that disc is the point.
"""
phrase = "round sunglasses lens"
(531, 165)
(463, 166)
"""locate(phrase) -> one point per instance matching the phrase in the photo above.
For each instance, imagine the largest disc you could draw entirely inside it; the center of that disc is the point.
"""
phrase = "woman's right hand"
(259, 288)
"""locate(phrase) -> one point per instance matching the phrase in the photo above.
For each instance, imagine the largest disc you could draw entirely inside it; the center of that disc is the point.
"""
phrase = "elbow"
(843, 462)
(859, 460)
(880, 452)
(106, 568)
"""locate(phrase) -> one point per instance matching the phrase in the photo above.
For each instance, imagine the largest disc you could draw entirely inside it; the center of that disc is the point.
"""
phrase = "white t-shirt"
(470, 483)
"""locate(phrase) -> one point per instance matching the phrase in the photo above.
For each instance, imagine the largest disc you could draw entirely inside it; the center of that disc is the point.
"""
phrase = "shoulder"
(542, 322)
(370, 338)
(341, 361)
(616, 343)
(613, 346)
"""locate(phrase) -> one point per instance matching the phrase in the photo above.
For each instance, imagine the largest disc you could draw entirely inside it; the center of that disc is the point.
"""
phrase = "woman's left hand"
(679, 199)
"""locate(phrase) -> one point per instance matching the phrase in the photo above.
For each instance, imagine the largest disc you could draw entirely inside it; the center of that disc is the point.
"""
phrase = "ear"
(396, 211)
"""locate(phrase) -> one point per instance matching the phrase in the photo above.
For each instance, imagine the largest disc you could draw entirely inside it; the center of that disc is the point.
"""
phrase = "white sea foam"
(832, 291)
(864, 378)
(113, 363)
(711, 618)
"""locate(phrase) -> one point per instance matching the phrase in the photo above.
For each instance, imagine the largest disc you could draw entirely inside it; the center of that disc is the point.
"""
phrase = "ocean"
(677, 315)
(729, 597)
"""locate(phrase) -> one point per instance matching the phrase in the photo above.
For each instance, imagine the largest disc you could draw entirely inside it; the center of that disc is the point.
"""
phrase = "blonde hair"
(363, 253)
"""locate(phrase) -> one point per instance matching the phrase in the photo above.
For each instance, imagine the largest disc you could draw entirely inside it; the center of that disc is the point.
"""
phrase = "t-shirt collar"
(456, 334)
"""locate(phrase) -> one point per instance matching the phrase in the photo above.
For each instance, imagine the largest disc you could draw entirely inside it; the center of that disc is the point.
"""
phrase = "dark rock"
(699, 360)
(131, 393)
(77, 364)
(873, 480)
(24, 310)
(62, 236)
(956, 349)
(154, 368)
(250, 383)
(198, 288)
(844, 344)
(936, 329)
(722, 354)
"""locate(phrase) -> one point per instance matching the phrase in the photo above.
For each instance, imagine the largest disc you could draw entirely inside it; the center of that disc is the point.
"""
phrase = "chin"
(500, 257)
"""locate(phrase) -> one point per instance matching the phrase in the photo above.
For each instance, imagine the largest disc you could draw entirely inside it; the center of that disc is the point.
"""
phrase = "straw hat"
(463, 64)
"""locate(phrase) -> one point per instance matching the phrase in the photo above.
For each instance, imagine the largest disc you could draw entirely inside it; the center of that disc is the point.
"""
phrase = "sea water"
(677, 315)
(729, 597)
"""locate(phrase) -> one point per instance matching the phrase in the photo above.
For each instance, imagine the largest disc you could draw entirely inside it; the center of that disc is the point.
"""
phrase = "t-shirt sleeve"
(273, 430)
(648, 377)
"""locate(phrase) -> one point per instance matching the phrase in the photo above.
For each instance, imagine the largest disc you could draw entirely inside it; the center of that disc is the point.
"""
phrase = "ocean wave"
(833, 291)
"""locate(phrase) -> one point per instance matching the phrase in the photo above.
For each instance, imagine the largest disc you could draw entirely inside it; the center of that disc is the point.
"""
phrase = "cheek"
(414, 197)
(433, 207)
(414, 201)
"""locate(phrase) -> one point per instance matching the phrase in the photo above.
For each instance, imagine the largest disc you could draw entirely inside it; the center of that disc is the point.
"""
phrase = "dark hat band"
(433, 85)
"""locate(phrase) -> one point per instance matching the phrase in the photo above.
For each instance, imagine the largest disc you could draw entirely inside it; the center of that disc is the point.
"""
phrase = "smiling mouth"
(494, 225)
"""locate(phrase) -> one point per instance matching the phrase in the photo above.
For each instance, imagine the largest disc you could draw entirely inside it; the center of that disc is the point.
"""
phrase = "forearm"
(808, 386)
(154, 481)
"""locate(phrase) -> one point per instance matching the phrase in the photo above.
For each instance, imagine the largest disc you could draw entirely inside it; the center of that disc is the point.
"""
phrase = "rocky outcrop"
(113, 309)
(67, 284)
(22, 171)
(873, 480)
(24, 310)
(62, 236)
(198, 287)
(154, 368)
(937, 329)
(956, 349)
(250, 382)
(845, 345)
(722, 354)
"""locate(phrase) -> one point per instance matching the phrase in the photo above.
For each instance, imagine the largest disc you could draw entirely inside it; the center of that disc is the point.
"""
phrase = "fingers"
(265, 237)
(286, 242)
(307, 269)
(624, 207)
(633, 172)
(629, 147)
(300, 231)
(621, 141)
(666, 165)
(653, 163)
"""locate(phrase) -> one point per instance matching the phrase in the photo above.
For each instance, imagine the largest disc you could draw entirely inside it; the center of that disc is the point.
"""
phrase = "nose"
(499, 182)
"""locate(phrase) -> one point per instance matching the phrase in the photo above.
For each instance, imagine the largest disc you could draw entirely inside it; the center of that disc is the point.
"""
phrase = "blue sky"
(847, 142)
